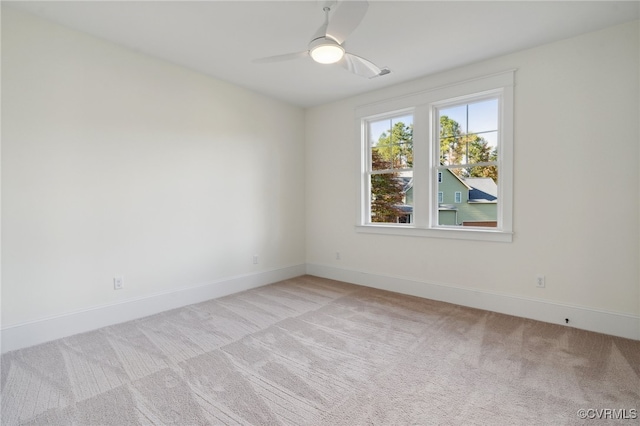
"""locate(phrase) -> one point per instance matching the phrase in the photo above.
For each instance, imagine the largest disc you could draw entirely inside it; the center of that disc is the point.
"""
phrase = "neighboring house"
(482, 207)
(407, 197)
(461, 202)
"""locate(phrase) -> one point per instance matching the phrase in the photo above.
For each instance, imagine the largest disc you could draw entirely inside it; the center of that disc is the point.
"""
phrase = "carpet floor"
(312, 351)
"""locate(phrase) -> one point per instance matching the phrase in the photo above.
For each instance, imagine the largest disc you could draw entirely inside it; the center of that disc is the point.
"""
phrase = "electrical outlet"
(118, 283)
(255, 259)
(540, 281)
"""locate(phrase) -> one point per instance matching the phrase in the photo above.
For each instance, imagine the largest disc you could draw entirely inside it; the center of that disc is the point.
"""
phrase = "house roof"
(482, 190)
(407, 183)
(459, 179)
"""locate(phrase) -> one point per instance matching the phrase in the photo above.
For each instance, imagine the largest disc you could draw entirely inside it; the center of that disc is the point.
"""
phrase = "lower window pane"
(468, 197)
(392, 197)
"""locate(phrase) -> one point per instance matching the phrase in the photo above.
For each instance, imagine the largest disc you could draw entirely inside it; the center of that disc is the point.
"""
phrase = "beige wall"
(576, 166)
(114, 163)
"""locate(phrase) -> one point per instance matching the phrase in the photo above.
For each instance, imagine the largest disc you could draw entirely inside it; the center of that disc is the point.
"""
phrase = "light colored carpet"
(311, 351)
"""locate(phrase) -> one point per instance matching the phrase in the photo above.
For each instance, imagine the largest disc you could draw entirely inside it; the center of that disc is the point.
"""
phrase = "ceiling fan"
(327, 44)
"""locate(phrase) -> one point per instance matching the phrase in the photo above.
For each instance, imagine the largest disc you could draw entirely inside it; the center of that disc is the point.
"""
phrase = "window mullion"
(421, 164)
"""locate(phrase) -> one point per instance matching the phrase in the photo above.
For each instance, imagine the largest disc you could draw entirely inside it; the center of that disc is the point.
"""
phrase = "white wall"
(576, 190)
(114, 163)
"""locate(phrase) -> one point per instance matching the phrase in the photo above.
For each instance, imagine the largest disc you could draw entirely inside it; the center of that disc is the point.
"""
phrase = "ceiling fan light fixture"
(326, 51)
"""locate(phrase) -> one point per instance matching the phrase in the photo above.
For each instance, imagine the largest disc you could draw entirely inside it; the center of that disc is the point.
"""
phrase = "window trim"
(422, 104)
(365, 165)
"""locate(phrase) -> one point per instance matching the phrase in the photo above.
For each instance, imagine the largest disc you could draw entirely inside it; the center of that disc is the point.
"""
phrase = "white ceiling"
(412, 38)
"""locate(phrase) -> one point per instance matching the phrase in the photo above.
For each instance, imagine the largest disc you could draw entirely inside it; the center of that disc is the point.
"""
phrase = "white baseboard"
(612, 323)
(43, 330)
(46, 329)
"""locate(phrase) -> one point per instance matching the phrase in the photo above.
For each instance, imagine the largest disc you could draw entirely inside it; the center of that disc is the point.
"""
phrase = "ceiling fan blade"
(361, 66)
(281, 58)
(345, 19)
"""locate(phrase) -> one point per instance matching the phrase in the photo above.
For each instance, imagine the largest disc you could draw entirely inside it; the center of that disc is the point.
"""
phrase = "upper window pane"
(391, 142)
(469, 133)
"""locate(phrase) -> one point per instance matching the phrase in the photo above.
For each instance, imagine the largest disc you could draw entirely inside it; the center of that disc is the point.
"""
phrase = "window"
(390, 169)
(467, 149)
(439, 163)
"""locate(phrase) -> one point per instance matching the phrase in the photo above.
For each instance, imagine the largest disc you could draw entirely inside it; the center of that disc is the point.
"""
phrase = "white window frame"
(457, 197)
(366, 163)
(423, 106)
(440, 196)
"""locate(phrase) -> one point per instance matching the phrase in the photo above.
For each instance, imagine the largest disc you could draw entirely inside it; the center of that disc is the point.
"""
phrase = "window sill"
(483, 234)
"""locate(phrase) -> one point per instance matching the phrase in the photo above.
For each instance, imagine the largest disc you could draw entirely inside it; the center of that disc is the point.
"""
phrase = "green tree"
(457, 147)
(481, 152)
(386, 191)
(451, 144)
(396, 147)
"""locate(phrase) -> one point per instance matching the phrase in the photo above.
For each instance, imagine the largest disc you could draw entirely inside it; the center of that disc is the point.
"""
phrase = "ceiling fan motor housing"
(326, 50)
